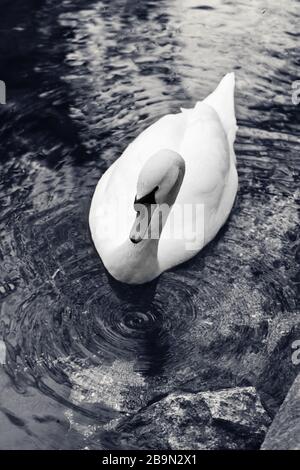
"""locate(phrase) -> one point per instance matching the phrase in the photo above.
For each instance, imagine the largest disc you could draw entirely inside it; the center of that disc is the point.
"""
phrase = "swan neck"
(136, 263)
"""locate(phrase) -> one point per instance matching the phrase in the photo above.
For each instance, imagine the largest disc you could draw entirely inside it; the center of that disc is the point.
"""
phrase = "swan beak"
(135, 235)
(142, 221)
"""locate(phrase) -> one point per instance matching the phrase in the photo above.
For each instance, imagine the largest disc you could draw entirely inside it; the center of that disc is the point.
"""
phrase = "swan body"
(179, 175)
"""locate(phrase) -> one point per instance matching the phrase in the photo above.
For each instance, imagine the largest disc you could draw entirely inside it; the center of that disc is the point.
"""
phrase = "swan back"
(222, 101)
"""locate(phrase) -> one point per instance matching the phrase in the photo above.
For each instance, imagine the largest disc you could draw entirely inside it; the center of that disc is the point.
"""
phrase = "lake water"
(83, 79)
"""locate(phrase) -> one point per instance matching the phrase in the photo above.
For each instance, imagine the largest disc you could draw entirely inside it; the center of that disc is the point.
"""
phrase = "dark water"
(83, 79)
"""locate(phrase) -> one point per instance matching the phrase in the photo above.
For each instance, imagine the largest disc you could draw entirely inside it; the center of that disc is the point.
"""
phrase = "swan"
(170, 191)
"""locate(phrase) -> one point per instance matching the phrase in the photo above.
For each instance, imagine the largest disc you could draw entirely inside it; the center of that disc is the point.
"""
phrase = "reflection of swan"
(170, 191)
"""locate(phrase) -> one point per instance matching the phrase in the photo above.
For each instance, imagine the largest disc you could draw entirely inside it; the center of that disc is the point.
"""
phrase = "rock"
(284, 433)
(279, 372)
(226, 419)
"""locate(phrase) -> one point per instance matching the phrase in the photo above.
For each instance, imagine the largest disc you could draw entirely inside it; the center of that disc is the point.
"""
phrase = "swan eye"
(148, 199)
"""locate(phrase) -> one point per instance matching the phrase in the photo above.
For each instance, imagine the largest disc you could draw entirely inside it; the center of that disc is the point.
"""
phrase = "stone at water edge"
(2, 352)
(226, 419)
(284, 432)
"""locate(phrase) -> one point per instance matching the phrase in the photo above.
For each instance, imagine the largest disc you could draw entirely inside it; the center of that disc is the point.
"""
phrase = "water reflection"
(82, 349)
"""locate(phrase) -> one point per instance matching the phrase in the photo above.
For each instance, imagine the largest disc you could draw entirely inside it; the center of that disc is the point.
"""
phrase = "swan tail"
(222, 100)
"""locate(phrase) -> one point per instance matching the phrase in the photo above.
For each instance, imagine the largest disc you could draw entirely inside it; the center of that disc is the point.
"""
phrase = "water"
(83, 79)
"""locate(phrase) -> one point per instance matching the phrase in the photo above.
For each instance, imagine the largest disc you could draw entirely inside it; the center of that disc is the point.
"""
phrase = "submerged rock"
(226, 419)
(284, 433)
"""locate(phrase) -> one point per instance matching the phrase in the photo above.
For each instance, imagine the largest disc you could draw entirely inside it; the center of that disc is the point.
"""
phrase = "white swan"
(170, 191)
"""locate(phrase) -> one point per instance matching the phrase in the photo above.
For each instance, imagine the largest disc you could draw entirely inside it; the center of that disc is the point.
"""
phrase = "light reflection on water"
(81, 349)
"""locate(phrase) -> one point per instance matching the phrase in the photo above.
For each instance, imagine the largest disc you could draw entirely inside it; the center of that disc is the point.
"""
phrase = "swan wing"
(210, 181)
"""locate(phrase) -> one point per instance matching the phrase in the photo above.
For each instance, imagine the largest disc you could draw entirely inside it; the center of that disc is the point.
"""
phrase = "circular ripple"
(122, 324)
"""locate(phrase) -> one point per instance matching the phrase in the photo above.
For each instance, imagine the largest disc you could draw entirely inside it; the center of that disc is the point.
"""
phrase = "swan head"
(158, 184)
